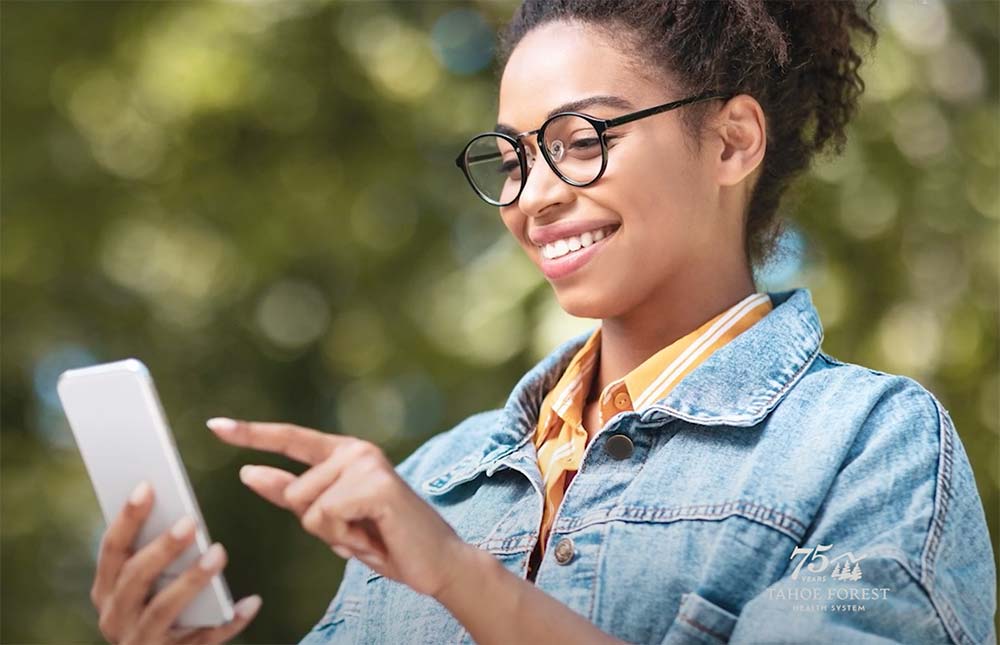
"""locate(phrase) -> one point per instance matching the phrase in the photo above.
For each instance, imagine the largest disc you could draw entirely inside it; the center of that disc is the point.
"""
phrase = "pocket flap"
(700, 621)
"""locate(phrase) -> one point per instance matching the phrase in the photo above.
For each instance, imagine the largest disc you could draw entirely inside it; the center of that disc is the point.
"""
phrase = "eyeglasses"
(573, 144)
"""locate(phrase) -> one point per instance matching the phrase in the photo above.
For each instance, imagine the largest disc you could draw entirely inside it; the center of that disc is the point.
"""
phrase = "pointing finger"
(302, 444)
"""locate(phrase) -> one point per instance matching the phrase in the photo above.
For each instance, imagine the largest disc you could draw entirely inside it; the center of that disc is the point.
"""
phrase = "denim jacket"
(776, 494)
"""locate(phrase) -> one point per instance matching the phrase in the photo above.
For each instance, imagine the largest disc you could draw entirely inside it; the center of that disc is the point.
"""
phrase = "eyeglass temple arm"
(613, 122)
(662, 108)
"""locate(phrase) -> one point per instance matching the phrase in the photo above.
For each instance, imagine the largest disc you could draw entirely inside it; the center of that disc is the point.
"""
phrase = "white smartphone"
(123, 437)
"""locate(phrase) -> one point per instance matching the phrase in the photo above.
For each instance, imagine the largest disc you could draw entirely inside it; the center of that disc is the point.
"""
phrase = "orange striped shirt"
(560, 438)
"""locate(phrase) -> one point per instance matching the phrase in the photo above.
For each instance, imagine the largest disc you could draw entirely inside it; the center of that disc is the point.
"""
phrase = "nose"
(542, 187)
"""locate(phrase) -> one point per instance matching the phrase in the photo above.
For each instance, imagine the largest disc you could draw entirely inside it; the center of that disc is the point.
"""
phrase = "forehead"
(561, 62)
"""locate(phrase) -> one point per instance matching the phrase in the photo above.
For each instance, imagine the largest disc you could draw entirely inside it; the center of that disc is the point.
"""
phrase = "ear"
(742, 138)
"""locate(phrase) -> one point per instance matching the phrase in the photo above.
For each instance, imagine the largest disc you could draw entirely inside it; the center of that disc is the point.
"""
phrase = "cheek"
(659, 190)
(649, 174)
(513, 220)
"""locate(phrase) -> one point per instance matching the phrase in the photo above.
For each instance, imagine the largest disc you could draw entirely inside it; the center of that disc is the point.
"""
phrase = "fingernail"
(248, 606)
(140, 494)
(221, 424)
(212, 558)
(182, 527)
(246, 472)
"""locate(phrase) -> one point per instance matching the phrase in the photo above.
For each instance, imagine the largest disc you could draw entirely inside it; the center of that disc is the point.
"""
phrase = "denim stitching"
(758, 413)
(505, 542)
(597, 564)
(943, 494)
(509, 545)
(765, 515)
(942, 497)
(703, 629)
(943, 608)
(351, 607)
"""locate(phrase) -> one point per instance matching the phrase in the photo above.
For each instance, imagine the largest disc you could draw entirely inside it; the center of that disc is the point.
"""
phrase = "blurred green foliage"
(258, 200)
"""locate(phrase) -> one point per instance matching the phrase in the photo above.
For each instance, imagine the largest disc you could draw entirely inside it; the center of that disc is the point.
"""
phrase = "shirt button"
(564, 550)
(622, 401)
(618, 446)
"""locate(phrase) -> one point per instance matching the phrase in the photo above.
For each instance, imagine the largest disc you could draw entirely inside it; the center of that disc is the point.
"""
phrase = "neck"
(672, 312)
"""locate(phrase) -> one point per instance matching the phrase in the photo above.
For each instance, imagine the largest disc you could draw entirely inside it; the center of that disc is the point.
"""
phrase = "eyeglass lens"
(573, 146)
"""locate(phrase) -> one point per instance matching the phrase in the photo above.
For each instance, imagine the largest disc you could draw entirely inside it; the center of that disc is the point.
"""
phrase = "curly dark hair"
(796, 58)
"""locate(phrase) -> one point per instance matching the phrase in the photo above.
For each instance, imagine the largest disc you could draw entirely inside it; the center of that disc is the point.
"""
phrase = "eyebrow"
(575, 106)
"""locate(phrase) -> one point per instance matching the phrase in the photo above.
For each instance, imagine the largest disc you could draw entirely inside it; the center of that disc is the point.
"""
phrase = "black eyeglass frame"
(601, 126)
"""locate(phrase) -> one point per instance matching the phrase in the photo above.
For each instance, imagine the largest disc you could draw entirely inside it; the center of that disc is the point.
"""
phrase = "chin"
(600, 305)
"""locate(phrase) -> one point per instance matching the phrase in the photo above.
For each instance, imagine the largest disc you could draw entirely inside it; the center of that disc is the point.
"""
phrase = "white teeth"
(561, 247)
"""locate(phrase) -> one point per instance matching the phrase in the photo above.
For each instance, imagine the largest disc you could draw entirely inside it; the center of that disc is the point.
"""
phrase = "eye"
(583, 144)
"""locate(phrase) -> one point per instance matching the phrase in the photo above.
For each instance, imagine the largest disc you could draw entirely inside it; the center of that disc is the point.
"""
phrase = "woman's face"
(657, 193)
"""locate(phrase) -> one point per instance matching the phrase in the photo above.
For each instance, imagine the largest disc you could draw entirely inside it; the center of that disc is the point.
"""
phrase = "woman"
(696, 468)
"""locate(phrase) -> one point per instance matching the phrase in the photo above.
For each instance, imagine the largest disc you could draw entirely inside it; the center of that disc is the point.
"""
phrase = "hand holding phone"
(123, 436)
(122, 593)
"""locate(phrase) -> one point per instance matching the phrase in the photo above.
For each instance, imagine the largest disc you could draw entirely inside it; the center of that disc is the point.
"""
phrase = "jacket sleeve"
(905, 507)
(342, 620)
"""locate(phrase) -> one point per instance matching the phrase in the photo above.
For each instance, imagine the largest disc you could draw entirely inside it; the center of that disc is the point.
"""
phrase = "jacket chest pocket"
(700, 621)
(657, 571)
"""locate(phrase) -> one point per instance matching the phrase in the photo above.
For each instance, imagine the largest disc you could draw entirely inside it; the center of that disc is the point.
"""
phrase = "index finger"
(302, 444)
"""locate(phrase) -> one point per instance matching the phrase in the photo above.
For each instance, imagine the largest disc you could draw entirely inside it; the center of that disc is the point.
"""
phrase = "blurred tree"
(258, 200)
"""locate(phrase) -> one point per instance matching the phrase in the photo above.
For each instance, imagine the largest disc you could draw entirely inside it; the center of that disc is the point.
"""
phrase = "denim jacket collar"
(737, 386)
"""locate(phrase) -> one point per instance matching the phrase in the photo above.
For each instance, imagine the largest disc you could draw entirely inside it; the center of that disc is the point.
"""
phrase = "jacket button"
(564, 550)
(619, 446)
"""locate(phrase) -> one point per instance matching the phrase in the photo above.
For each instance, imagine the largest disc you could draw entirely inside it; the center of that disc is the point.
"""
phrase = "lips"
(563, 266)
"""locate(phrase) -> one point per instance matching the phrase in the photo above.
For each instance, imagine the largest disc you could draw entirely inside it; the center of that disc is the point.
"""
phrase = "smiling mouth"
(574, 244)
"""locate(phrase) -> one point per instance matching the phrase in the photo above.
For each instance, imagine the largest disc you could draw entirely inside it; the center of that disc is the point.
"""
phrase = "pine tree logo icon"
(843, 571)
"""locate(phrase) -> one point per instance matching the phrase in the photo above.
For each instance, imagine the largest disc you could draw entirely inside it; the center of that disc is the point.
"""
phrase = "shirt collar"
(738, 385)
(650, 381)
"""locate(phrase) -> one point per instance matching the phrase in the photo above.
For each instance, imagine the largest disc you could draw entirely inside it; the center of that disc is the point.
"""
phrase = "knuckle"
(338, 529)
(128, 570)
(381, 480)
(293, 496)
(328, 512)
(108, 629)
(111, 543)
(354, 446)
(155, 612)
(312, 521)
(161, 606)
(368, 449)
(135, 570)
(368, 463)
